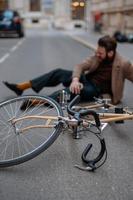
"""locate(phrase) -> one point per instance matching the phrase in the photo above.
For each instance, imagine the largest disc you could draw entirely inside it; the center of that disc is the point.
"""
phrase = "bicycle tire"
(18, 142)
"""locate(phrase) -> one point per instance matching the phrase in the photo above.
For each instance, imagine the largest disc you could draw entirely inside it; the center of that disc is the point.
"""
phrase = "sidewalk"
(90, 38)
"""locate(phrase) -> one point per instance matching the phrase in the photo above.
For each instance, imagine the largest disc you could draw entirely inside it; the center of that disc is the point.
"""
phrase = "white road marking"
(14, 48)
(4, 57)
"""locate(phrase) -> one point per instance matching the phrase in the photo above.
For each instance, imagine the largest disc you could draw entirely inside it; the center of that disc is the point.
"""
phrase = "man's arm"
(128, 71)
(84, 66)
(76, 86)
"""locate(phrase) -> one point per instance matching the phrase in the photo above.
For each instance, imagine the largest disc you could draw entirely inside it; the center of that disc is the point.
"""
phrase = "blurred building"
(33, 11)
(70, 14)
(114, 14)
(60, 13)
(3, 4)
(30, 10)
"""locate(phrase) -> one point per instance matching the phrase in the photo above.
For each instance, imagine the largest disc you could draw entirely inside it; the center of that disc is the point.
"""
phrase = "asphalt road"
(52, 176)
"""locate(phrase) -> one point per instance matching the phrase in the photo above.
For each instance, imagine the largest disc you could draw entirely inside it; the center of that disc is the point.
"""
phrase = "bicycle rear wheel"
(28, 126)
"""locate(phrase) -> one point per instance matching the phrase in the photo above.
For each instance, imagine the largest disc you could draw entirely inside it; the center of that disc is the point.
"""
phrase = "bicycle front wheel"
(28, 126)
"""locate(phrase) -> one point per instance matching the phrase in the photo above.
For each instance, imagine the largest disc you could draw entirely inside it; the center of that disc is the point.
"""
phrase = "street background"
(61, 34)
(52, 174)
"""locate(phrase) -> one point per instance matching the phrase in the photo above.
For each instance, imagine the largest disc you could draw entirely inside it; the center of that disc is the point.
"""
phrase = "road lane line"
(13, 48)
(4, 57)
(16, 46)
(20, 42)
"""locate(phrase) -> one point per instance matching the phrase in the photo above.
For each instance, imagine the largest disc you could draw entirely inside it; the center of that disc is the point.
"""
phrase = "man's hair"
(108, 42)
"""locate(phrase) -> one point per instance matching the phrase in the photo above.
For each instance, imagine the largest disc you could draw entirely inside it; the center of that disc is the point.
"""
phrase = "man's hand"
(76, 86)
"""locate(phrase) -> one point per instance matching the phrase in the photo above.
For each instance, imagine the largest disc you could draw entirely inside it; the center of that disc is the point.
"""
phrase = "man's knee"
(58, 70)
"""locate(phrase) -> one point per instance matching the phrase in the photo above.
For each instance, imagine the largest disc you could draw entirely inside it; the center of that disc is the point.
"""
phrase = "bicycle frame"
(110, 117)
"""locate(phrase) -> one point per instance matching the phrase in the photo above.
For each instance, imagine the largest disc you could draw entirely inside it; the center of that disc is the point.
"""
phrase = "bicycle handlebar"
(75, 100)
(92, 163)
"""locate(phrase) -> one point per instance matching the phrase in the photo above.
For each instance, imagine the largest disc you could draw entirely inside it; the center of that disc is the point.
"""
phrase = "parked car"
(11, 23)
(120, 37)
(130, 37)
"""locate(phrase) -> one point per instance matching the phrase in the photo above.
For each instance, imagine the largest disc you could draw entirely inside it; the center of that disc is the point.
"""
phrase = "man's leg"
(89, 91)
(50, 79)
(53, 78)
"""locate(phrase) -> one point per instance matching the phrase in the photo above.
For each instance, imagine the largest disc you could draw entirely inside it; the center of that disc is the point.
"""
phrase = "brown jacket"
(121, 70)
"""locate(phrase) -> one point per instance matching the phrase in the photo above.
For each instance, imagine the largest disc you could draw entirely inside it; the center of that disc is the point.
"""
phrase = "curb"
(83, 42)
(87, 44)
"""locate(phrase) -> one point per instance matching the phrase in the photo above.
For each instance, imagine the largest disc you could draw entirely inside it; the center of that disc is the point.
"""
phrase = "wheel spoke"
(16, 146)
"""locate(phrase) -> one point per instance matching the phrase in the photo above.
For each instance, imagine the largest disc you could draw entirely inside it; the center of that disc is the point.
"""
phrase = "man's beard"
(107, 59)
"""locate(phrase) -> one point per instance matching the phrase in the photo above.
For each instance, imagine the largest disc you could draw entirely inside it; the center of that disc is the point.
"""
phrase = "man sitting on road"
(105, 72)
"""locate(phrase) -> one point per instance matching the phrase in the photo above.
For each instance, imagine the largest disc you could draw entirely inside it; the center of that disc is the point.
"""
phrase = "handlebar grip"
(85, 152)
(92, 163)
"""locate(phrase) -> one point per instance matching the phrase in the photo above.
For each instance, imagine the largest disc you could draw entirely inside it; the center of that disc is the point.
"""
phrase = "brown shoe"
(13, 87)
